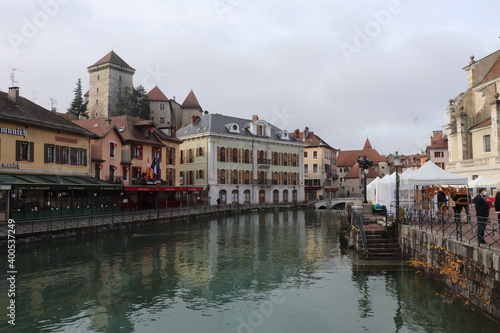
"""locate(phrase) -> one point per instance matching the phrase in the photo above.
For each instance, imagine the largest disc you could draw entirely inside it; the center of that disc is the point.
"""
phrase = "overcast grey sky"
(349, 70)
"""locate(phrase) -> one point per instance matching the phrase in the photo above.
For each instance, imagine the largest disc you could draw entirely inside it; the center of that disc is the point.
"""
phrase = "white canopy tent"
(372, 190)
(386, 191)
(483, 181)
(431, 174)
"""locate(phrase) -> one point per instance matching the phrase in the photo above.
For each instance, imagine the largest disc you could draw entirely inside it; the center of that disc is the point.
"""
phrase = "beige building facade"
(473, 122)
(241, 161)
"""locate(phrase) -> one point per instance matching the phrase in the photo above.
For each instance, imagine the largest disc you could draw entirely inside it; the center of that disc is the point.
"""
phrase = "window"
(25, 151)
(200, 151)
(315, 168)
(275, 196)
(235, 196)
(222, 176)
(306, 168)
(285, 196)
(112, 149)
(315, 154)
(190, 156)
(285, 159)
(438, 154)
(80, 157)
(305, 154)
(125, 169)
(223, 154)
(246, 196)
(162, 120)
(162, 106)
(137, 152)
(247, 156)
(50, 153)
(171, 155)
(487, 144)
(235, 155)
(182, 156)
(65, 157)
(200, 174)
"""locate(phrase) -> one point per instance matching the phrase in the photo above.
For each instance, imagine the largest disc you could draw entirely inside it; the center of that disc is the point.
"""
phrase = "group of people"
(482, 207)
(481, 204)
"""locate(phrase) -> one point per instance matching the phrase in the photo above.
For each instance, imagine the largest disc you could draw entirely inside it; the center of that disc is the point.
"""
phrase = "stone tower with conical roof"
(190, 107)
(108, 78)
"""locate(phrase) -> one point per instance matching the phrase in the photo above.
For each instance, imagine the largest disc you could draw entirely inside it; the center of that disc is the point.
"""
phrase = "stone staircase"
(382, 244)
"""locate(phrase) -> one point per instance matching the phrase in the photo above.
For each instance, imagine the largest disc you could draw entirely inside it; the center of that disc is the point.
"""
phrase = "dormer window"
(233, 128)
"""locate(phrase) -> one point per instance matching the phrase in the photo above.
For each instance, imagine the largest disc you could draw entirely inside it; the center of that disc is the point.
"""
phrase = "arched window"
(246, 196)
(285, 195)
(276, 194)
(223, 154)
(235, 196)
(235, 155)
(222, 197)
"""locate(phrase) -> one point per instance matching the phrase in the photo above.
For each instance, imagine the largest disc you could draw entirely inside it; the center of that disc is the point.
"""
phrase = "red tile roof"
(355, 173)
(129, 129)
(436, 144)
(112, 58)
(348, 158)
(311, 139)
(157, 95)
(484, 123)
(191, 101)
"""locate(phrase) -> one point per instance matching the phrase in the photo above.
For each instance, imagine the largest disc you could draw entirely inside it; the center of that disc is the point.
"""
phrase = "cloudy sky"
(349, 70)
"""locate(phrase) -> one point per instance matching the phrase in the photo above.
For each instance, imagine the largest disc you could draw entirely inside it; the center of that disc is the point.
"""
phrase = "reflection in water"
(275, 272)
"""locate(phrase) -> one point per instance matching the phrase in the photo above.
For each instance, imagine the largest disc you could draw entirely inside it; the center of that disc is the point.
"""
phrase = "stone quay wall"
(470, 272)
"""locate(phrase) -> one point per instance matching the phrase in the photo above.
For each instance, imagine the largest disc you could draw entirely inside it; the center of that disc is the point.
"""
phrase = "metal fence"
(461, 227)
(40, 226)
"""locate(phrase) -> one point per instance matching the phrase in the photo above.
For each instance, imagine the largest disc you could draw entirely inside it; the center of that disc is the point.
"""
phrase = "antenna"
(33, 98)
(13, 75)
(53, 105)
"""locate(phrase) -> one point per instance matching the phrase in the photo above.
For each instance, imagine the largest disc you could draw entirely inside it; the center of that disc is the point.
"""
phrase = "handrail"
(358, 221)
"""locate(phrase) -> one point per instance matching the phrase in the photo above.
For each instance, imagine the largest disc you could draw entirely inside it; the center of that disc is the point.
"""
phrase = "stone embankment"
(48, 229)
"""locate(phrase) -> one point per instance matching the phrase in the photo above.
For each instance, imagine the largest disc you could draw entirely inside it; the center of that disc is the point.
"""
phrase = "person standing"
(482, 213)
(497, 205)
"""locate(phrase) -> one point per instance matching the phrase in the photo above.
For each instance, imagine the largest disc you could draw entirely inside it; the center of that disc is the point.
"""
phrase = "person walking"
(482, 213)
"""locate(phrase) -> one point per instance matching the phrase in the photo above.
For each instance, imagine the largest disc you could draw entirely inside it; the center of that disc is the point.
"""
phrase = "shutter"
(45, 153)
(32, 151)
(57, 151)
(18, 150)
(85, 157)
(218, 176)
(218, 154)
(72, 156)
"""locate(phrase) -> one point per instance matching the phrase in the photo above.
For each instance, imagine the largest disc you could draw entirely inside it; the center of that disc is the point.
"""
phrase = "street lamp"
(396, 160)
(364, 164)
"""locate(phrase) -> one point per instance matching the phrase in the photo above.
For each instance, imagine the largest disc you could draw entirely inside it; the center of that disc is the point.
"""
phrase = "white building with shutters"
(241, 160)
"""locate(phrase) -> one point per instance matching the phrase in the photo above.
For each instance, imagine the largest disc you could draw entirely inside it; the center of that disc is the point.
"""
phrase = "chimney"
(14, 94)
(255, 117)
(306, 133)
(296, 133)
(107, 121)
(194, 119)
(437, 135)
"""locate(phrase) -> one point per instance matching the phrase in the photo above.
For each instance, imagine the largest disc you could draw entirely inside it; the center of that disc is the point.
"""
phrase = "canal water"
(275, 272)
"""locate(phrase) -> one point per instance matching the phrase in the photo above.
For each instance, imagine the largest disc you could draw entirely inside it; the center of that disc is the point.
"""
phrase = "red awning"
(147, 188)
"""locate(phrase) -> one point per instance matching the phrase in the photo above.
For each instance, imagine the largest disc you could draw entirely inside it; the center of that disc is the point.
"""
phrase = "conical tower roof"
(191, 101)
(157, 95)
(112, 58)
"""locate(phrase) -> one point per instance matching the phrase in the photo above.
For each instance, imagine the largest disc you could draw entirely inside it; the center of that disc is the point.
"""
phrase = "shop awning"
(53, 182)
(146, 188)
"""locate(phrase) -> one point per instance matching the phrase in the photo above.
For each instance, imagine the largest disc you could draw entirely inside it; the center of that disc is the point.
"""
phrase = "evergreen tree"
(77, 107)
(142, 103)
(134, 102)
(125, 105)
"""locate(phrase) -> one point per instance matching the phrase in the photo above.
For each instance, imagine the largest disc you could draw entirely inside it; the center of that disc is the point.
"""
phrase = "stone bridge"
(337, 203)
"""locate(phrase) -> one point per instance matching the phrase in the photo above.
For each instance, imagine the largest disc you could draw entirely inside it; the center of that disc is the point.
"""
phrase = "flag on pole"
(156, 166)
(148, 169)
